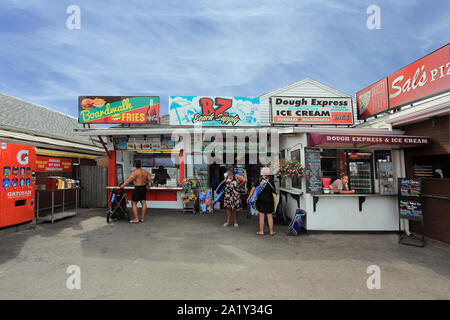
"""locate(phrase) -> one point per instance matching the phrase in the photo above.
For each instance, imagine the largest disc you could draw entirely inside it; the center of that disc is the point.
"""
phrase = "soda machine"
(18, 180)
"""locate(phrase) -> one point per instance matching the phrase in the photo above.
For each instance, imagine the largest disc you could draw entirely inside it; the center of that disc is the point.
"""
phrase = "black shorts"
(139, 194)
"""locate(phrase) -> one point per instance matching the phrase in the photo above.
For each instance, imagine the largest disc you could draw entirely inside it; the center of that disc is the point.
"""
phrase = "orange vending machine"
(18, 179)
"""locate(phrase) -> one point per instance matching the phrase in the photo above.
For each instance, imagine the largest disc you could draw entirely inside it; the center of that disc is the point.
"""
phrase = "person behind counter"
(161, 176)
(341, 185)
(232, 200)
(141, 180)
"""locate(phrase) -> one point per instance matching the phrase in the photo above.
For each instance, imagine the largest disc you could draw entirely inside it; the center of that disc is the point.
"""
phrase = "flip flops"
(131, 221)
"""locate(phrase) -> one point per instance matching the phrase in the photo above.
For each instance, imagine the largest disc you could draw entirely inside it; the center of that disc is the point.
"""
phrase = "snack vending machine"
(18, 180)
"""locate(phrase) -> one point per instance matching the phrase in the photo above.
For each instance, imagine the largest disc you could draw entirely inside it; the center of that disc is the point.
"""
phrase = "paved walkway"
(176, 256)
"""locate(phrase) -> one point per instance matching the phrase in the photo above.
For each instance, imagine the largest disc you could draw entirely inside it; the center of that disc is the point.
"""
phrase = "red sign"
(373, 99)
(422, 78)
(118, 109)
(315, 139)
(45, 164)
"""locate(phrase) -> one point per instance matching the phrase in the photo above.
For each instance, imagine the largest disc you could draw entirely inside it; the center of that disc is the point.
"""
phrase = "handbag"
(253, 201)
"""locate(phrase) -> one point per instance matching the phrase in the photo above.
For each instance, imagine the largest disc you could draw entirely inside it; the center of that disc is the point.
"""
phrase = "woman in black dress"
(264, 200)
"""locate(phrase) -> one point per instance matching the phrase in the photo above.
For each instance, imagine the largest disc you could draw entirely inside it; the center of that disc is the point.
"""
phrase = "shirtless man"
(141, 180)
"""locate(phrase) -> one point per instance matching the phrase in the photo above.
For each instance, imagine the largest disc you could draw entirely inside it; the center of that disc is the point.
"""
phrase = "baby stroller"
(118, 206)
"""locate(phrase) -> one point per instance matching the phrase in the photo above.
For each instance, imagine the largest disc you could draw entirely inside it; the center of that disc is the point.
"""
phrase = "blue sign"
(214, 111)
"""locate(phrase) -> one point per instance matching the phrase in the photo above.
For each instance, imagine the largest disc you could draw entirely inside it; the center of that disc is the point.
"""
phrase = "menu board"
(409, 198)
(313, 173)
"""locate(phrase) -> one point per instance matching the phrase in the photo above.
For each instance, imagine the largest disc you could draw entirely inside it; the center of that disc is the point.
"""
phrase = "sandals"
(226, 224)
(260, 233)
(141, 220)
(236, 225)
(131, 221)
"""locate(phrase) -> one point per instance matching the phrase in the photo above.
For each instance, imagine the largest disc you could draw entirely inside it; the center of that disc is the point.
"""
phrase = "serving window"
(367, 171)
(150, 162)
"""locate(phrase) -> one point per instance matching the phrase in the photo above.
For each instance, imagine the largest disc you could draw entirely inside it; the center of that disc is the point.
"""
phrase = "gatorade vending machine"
(18, 180)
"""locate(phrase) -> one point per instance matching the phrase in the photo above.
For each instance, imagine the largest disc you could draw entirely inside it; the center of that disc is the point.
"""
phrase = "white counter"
(345, 212)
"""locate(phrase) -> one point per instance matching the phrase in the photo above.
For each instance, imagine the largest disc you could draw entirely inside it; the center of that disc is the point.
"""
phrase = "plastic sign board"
(312, 110)
(151, 143)
(46, 164)
(373, 99)
(423, 78)
(118, 109)
(214, 111)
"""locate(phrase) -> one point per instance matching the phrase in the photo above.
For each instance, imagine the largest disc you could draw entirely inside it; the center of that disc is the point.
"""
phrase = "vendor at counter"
(161, 176)
(341, 186)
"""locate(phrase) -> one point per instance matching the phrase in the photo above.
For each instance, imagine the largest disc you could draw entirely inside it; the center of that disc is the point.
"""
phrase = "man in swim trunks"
(141, 180)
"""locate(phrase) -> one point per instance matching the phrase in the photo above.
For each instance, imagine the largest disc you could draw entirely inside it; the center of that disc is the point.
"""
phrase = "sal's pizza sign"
(118, 109)
(426, 77)
(47, 164)
(312, 110)
(214, 111)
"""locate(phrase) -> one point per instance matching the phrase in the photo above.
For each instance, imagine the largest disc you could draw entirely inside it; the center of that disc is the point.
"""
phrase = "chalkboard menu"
(313, 173)
(410, 198)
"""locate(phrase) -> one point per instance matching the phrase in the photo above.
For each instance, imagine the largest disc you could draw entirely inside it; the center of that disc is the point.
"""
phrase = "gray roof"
(21, 115)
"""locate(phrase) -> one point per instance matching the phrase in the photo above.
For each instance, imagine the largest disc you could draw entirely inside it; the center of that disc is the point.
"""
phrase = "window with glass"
(150, 162)
(296, 181)
(283, 180)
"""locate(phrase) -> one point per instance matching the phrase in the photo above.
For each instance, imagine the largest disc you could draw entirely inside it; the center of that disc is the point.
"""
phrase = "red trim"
(157, 195)
(181, 165)
(104, 146)
(111, 171)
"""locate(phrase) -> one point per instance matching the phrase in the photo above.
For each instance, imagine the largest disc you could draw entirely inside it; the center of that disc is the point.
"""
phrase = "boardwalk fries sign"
(118, 109)
(312, 110)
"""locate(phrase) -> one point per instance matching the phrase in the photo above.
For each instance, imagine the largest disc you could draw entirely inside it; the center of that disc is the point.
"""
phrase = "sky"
(227, 48)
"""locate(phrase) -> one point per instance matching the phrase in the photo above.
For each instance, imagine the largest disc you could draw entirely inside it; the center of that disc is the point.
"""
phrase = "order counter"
(158, 197)
(345, 212)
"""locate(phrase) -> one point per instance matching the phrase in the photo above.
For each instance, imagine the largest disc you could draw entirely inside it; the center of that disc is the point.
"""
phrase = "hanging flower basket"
(289, 168)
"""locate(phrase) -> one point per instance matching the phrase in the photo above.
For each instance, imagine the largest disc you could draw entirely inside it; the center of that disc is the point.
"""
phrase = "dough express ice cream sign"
(214, 111)
(423, 78)
(312, 110)
(113, 109)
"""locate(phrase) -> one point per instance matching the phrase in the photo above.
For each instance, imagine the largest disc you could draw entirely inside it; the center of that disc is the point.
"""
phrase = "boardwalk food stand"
(146, 142)
(314, 124)
(372, 159)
